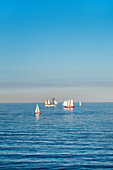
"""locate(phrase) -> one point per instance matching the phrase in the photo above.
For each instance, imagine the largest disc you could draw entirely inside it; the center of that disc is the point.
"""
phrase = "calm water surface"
(81, 138)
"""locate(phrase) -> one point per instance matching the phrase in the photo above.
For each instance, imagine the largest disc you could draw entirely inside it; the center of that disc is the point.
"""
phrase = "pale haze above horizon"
(60, 48)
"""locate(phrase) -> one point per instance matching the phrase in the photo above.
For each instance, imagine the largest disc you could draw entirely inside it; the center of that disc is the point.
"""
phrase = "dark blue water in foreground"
(81, 138)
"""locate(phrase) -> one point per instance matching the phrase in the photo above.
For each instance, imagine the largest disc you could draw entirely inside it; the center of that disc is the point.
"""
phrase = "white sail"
(37, 110)
(68, 103)
(80, 103)
(49, 101)
(64, 103)
(46, 102)
(71, 102)
(55, 102)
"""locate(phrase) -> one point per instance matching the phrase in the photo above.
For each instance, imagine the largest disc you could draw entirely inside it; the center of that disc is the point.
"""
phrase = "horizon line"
(59, 102)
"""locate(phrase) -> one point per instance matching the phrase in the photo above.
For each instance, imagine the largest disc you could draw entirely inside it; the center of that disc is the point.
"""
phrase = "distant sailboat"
(37, 110)
(68, 104)
(80, 103)
(50, 103)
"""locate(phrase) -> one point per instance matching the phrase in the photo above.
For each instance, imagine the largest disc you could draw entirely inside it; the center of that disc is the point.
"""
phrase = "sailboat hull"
(37, 112)
(69, 106)
(50, 105)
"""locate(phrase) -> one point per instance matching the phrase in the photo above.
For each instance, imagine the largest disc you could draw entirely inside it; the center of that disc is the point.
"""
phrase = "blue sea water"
(81, 138)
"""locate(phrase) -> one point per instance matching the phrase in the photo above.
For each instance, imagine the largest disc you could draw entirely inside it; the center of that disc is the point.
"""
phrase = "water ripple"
(57, 139)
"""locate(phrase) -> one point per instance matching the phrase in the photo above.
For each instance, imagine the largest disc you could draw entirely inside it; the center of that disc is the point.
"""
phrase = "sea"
(58, 138)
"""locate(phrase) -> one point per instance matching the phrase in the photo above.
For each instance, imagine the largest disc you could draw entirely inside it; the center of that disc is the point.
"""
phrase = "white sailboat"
(68, 104)
(50, 103)
(80, 103)
(37, 110)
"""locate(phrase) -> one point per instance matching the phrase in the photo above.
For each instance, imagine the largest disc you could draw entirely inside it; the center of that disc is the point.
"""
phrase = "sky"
(60, 48)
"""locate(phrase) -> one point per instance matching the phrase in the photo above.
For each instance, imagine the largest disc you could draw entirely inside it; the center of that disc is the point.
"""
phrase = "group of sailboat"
(53, 103)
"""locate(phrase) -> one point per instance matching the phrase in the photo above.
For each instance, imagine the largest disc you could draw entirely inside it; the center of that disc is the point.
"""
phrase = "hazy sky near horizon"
(60, 48)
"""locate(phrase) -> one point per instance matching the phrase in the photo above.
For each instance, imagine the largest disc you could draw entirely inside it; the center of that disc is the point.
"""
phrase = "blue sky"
(53, 48)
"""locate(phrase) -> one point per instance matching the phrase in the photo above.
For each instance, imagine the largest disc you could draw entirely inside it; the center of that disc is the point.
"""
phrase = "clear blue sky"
(60, 48)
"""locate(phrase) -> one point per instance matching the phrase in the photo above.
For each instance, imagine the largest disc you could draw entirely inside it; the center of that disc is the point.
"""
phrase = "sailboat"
(51, 103)
(80, 103)
(37, 110)
(68, 104)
